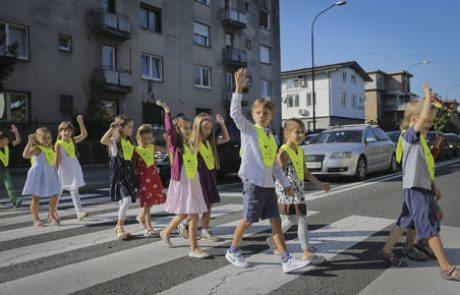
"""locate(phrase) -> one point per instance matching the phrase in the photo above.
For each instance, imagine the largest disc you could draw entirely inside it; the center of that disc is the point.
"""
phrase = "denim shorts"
(259, 202)
(418, 212)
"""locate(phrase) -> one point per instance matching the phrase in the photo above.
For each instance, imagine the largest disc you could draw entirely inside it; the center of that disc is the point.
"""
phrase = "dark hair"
(3, 135)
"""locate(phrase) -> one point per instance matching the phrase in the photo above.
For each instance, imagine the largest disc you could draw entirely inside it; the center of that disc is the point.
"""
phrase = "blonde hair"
(290, 125)
(413, 109)
(64, 126)
(121, 121)
(265, 104)
(197, 136)
(178, 122)
(143, 129)
(42, 131)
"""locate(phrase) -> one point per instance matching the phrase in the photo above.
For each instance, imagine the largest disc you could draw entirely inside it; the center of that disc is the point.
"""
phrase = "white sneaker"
(315, 259)
(200, 255)
(292, 264)
(236, 259)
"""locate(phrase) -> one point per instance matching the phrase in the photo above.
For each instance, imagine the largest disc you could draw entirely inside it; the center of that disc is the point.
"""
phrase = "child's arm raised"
(311, 178)
(17, 136)
(107, 137)
(170, 134)
(235, 106)
(220, 120)
(83, 132)
(30, 149)
(425, 113)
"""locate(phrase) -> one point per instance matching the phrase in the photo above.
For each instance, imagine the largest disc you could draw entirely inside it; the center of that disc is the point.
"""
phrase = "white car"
(351, 150)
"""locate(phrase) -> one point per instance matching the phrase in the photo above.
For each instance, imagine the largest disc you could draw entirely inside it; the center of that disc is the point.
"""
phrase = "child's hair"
(64, 126)
(413, 108)
(3, 135)
(197, 136)
(121, 121)
(180, 121)
(42, 131)
(265, 104)
(290, 124)
(144, 129)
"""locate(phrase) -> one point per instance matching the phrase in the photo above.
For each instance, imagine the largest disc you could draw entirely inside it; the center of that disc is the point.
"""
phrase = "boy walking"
(5, 177)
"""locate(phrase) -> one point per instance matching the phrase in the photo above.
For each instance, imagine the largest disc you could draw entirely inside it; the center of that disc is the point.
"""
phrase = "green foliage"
(443, 122)
(96, 117)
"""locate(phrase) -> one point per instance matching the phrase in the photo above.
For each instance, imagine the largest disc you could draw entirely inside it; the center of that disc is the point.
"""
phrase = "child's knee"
(245, 223)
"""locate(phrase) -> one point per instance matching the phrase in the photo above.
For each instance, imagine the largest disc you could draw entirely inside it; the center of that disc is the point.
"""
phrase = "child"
(5, 177)
(185, 196)
(122, 181)
(69, 169)
(258, 166)
(149, 186)
(42, 178)
(291, 160)
(418, 175)
(204, 139)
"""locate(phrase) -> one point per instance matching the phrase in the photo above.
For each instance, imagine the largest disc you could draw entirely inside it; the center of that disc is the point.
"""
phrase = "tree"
(443, 123)
(97, 119)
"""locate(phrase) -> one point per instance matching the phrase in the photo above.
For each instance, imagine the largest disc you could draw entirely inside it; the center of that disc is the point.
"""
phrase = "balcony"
(113, 79)
(234, 19)
(235, 58)
(228, 99)
(112, 24)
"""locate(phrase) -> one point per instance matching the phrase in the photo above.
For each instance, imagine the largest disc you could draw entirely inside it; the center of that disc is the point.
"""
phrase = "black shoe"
(423, 247)
(17, 204)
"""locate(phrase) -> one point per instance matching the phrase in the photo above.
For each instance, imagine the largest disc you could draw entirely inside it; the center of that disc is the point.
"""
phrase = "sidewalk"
(96, 176)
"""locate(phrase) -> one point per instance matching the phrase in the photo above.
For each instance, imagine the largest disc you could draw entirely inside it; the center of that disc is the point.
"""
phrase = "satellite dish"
(2, 105)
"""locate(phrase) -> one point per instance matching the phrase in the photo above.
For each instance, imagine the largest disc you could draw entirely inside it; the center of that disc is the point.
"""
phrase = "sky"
(389, 35)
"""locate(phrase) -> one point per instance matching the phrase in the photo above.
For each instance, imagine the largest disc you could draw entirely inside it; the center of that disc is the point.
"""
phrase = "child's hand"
(31, 138)
(240, 80)
(289, 191)
(80, 119)
(162, 104)
(220, 119)
(437, 194)
(326, 186)
(14, 128)
(426, 88)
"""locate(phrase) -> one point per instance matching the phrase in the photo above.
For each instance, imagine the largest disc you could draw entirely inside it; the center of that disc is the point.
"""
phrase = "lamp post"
(339, 3)
(424, 62)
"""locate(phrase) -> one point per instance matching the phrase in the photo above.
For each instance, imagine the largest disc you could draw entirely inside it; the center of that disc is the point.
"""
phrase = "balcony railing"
(234, 19)
(228, 99)
(113, 24)
(235, 58)
(113, 79)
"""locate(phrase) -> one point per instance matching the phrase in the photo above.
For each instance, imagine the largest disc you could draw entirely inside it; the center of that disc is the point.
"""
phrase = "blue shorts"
(259, 202)
(418, 212)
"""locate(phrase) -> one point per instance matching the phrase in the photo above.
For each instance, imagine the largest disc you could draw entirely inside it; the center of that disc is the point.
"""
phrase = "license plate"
(313, 165)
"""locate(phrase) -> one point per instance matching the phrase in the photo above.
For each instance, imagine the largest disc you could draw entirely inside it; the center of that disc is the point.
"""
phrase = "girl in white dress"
(69, 169)
(42, 178)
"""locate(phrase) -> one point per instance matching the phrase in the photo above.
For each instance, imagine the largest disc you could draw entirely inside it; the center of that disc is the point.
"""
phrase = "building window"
(246, 6)
(265, 88)
(66, 105)
(228, 39)
(264, 20)
(65, 42)
(343, 100)
(289, 101)
(205, 2)
(201, 34)
(108, 57)
(151, 67)
(309, 103)
(296, 100)
(14, 35)
(150, 18)
(202, 76)
(248, 44)
(109, 5)
(344, 76)
(354, 101)
(16, 107)
(264, 54)
(110, 108)
(353, 79)
(229, 81)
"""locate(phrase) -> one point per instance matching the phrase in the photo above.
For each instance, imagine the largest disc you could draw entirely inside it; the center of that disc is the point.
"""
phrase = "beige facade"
(129, 53)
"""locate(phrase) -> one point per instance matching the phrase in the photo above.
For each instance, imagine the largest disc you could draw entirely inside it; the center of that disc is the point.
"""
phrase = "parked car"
(353, 150)
(453, 140)
(394, 136)
(445, 152)
(310, 137)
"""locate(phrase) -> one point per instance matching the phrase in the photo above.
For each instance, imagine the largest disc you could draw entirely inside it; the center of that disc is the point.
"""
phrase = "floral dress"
(149, 186)
(291, 205)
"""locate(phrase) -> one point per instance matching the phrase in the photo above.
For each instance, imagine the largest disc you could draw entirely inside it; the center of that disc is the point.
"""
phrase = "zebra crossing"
(83, 257)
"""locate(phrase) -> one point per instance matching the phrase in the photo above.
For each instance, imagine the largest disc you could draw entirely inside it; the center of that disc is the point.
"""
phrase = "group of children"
(273, 179)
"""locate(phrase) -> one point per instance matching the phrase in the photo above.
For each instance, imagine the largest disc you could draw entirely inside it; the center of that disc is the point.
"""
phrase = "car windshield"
(450, 138)
(394, 136)
(431, 136)
(339, 136)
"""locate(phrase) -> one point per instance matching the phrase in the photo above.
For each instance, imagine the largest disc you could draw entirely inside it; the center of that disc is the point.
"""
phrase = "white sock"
(76, 201)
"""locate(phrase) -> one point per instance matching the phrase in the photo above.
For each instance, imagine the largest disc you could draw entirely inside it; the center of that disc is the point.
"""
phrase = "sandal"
(37, 223)
(165, 239)
(149, 233)
(447, 274)
(121, 234)
(141, 221)
(54, 220)
(394, 258)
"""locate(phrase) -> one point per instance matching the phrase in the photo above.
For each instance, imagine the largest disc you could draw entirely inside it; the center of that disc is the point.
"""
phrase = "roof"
(331, 68)
(390, 73)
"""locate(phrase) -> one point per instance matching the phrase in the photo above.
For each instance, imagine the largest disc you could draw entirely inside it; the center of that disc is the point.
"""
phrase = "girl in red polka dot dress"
(149, 186)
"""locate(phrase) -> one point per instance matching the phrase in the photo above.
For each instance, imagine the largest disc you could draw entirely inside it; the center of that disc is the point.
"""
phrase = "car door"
(371, 150)
(386, 149)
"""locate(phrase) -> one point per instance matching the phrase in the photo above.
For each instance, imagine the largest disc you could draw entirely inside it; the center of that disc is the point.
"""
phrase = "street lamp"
(339, 3)
(424, 62)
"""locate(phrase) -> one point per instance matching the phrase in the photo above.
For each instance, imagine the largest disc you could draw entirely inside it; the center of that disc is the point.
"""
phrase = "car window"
(369, 135)
(339, 136)
(394, 136)
(379, 134)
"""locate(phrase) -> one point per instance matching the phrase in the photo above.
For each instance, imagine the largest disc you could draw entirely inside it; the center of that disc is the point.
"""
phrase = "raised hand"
(163, 104)
(426, 88)
(240, 80)
(31, 138)
(14, 128)
(220, 119)
(80, 119)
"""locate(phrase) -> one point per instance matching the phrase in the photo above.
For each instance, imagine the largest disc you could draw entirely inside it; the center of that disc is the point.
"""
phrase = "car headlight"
(451, 146)
(160, 156)
(341, 155)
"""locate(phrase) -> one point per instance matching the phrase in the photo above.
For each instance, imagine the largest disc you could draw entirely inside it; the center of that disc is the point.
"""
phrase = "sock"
(204, 231)
(232, 248)
(284, 256)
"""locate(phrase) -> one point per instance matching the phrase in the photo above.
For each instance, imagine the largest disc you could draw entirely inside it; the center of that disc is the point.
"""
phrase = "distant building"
(339, 95)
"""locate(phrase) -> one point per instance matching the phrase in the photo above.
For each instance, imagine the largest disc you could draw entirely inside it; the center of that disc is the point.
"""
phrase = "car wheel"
(361, 169)
(393, 164)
